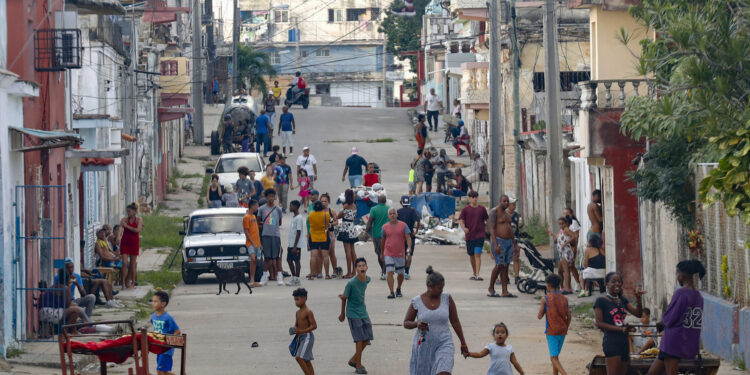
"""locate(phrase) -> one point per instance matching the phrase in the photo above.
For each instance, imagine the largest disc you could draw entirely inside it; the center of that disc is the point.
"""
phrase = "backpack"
(301, 83)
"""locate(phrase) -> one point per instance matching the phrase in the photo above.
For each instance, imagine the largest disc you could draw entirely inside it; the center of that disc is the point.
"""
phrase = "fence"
(725, 255)
(44, 309)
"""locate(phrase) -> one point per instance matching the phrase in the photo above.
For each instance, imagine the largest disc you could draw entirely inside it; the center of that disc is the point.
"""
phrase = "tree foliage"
(404, 33)
(700, 66)
(253, 67)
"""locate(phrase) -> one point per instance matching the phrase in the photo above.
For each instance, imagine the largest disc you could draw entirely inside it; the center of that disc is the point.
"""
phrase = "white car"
(227, 165)
(213, 235)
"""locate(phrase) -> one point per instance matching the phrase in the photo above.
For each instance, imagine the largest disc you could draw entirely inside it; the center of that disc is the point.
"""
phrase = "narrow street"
(221, 329)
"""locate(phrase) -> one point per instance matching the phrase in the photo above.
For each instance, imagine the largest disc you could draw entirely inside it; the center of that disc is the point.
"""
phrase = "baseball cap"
(314, 192)
(405, 200)
(69, 260)
(355, 151)
(270, 92)
(460, 122)
(281, 157)
(305, 148)
(511, 198)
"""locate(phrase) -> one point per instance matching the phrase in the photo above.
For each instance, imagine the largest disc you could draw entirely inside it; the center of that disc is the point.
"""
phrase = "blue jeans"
(505, 254)
(262, 139)
(355, 180)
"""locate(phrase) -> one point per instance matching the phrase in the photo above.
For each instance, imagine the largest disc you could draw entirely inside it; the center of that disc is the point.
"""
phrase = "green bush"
(537, 230)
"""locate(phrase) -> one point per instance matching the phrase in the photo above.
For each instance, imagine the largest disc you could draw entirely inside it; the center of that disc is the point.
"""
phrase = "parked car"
(213, 235)
(228, 164)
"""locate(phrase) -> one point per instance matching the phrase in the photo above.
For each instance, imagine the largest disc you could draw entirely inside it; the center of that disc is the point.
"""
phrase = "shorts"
(286, 139)
(378, 250)
(555, 344)
(458, 193)
(271, 246)
(506, 251)
(664, 355)
(164, 362)
(616, 345)
(474, 247)
(410, 249)
(325, 245)
(355, 180)
(591, 233)
(395, 264)
(361, 329)
(113, 264)
(305, 346)
(255, 250)
(292, 255)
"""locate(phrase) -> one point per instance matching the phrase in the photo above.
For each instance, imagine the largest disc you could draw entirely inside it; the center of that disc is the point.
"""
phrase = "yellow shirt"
(276, 92)
(317, 220)
(267, 182)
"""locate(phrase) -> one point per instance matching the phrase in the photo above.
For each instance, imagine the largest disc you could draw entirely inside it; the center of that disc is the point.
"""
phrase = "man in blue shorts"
(501, 238)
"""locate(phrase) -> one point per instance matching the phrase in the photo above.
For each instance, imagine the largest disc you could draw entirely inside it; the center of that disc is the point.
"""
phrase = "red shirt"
(371, 179)
(395, 239)
(474, 219)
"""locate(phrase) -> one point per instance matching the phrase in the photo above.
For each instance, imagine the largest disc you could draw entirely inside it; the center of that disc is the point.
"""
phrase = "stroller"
(542, 267)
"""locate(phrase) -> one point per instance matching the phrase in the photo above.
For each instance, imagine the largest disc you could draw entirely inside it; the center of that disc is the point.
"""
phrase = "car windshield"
(216, 224)
(228, 165)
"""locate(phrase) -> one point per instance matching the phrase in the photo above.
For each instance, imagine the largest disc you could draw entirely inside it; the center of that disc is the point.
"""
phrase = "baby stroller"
(542, 267)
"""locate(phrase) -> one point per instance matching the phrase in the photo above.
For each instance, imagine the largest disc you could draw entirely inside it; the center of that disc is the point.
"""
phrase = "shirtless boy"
(501, 238)
(594, 210)
(303, 327)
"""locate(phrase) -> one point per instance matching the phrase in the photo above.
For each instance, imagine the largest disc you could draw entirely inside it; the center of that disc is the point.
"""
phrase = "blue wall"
(342, 59)
(745, 334)
(718, 326)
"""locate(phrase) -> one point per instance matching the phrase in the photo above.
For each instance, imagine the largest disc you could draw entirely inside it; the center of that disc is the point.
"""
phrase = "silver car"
(213, 235)
(228, 164)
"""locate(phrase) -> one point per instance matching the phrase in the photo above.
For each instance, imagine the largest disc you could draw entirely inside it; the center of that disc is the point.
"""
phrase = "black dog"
(225, 274)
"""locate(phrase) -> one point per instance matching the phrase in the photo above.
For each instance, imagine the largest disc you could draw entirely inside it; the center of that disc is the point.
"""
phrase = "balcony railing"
(599, 94)
(475, 83)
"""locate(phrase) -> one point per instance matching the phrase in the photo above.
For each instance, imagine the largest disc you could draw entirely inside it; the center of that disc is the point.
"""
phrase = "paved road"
(221, 329)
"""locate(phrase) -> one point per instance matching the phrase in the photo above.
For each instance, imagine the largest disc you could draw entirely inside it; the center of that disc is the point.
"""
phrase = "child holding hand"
(501, 355)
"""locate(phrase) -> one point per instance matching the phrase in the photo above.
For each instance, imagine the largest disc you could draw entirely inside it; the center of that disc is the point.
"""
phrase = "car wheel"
(189, 277)
(215, 144)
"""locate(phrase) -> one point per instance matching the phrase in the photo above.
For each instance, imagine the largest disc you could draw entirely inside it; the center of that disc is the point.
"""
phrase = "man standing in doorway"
(395, 241)
(308, 162)
(595, 215)
(433, 105)
(378, 217)
(354, 165)
(411, 218)
(287, 127)
(473, 221)
(501, 238)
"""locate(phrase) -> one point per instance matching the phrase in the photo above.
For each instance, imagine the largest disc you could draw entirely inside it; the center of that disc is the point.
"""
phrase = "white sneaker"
(264, 279)
(111, 304)
(279, 279)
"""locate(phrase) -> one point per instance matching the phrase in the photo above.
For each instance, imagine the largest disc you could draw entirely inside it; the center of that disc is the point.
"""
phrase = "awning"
(46, 139)
(82, 154)
(173, 113)
(98, 6)
(162, 14)
(474, 14)
(96, 164)
(173, 99)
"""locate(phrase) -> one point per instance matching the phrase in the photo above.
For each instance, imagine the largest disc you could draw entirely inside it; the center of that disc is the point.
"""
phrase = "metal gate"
(41, 229)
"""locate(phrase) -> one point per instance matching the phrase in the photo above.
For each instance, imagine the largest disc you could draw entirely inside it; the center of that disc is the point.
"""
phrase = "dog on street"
(226, 273)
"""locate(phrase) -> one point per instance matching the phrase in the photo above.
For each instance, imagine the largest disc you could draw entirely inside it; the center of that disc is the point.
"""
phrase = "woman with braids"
(433, 313)
(682, 322)
(610, 311)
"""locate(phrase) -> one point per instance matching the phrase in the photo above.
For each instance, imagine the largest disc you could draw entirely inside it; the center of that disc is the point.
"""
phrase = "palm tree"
(253, 67)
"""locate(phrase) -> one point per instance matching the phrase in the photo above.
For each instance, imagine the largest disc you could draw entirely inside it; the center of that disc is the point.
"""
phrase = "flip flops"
(495, 295)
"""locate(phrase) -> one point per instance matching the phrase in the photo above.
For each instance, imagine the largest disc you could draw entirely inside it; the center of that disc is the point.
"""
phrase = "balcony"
(470, 9)
(474, 85)
(601, 93)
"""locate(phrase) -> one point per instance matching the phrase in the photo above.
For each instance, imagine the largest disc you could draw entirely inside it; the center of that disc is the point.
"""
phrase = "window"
(303, 54)
(335, 15)
(275, 58)
(321, 89)
(281, 15)
(568, 80)
(323, 52)
(374, 14)
(355, 14)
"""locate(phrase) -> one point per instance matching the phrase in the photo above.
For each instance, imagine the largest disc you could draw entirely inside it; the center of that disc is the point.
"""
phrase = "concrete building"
(335, 45)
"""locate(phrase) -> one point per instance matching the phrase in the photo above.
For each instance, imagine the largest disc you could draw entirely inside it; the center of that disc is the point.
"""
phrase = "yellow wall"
(610, 58)
(179, 84)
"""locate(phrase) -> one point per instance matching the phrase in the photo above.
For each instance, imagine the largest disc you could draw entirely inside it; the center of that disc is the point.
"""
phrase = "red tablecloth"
(117, 350)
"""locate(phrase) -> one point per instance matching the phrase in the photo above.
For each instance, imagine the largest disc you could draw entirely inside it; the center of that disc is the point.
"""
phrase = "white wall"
(358, 93)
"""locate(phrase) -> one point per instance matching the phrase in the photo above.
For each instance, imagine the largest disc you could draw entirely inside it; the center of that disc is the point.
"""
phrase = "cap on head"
(68, 260)
(511, 198)
(355, 151)
(314, 192)
(405, 200)
(270, 92)
(306, 148)
(460, 122)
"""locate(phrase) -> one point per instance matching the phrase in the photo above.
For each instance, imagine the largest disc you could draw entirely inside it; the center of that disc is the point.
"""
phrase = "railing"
(474, 83)
(598, 94)
(40, 323)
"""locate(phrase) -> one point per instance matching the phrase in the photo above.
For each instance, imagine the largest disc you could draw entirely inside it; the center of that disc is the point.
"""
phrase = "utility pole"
(196, 86)
(497, 137)
(385, 70)
(296, 44)
(552, 104)
(516, 103)
(235, 45)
